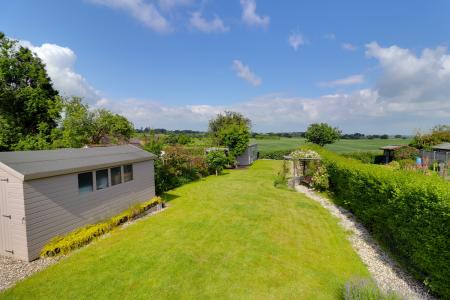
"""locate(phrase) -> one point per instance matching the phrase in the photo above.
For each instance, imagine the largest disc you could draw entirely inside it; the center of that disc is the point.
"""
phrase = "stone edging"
(384, 270)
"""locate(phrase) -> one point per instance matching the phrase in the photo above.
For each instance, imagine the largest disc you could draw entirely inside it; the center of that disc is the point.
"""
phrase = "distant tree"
(29, 106)
(322, 134)
(384, 136)
(232, 130)
(398, 136)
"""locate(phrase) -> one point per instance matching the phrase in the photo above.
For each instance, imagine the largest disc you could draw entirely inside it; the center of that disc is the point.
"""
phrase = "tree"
(29, 106)
(216, 161)
(82, 126)
(232, 130)
(322, 134)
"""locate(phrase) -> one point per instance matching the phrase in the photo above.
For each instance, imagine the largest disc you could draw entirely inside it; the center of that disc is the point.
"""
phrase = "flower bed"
(86, 234)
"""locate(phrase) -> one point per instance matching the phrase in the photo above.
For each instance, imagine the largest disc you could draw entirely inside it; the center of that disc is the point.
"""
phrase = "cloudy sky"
(364, 66)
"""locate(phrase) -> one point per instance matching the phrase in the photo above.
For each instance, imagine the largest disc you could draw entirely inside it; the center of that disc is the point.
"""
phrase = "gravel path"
(385, 271)
(13, 270)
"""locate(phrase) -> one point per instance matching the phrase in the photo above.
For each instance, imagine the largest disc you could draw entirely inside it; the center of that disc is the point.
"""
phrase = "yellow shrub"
(84, 235)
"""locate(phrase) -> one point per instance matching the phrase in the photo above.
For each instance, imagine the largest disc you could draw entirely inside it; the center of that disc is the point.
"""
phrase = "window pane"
(85, 182)
(128, 172)
(102, 179)
(116, 175)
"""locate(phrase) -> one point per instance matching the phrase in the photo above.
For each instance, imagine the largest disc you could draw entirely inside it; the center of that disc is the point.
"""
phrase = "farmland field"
(341, 146)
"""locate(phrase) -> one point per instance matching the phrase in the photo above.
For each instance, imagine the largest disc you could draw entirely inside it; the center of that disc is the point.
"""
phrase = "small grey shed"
(249, 156)
(51, 192)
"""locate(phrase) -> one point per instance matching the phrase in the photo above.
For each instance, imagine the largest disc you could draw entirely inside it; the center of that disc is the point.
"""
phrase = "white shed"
(51, 192)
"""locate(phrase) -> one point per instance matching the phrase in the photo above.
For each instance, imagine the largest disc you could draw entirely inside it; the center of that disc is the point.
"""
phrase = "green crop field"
(341, 146)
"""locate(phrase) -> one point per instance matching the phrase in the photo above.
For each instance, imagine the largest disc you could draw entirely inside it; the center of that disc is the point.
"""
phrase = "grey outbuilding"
(51, 192)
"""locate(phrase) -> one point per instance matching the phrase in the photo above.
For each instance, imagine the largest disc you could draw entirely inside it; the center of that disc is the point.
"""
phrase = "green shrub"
(84, 235)
(320, 180)
(366, 290)
(277, 155)
(282, 177)
(405, 152)
(409, 213)
(366, 157)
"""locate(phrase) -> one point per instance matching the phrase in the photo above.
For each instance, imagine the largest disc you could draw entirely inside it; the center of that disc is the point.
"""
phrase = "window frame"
(80, 191)
(132, 173)
(107, 179)
(120, 173)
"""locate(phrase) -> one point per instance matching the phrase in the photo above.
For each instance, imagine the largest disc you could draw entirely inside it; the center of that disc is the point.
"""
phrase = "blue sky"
(378, 66)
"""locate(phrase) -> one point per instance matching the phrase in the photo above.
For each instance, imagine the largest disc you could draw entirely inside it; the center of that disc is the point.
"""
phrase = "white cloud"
(350, 80)
(244, 72)
(330, 36)
(250, 16)
(296, 40)
(407, 77)
(349, 47)
(141, 10)
(412, 91)
(171, 4)
(198, 22)
(59, 63)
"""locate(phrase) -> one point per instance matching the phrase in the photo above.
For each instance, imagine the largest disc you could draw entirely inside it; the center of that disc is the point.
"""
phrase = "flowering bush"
(319, 179)
(297, 154)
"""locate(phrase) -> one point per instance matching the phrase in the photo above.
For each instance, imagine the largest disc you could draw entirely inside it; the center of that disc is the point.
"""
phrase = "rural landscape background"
(300, 150)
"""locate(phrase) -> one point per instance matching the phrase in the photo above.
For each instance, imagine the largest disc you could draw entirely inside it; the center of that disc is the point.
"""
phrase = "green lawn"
(233, 236)
(341, 146)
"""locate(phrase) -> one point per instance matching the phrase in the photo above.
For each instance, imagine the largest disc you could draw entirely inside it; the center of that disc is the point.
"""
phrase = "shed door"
(5, 221)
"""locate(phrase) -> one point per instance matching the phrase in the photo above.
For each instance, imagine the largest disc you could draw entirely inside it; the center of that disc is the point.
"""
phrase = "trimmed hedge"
(408, 213)
(86, 234)
(277, 155)
(366, 157)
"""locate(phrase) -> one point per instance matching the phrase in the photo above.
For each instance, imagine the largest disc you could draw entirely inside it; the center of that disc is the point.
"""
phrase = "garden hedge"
(409, 213)
(277, 154)
(86, 234)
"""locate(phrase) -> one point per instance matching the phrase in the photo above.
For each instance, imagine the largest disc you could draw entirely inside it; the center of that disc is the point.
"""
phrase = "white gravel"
(13, 270)
(384, 270)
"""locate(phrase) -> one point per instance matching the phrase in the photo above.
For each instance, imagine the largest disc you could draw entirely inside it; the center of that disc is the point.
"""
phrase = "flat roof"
(390, 147)
(27, 165)
(443, 146)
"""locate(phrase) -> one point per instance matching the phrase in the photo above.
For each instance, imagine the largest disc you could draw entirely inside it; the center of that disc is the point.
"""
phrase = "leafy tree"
(82, 126)
(76, 127)
(216, 161)
(439, 134)
(29, 105)
(322, 134)
(153, 144)
(232, 130)
(108, 124)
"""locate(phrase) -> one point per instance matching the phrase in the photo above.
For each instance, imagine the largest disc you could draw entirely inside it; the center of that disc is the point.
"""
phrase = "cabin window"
(127, 173)
(116, 175)
(85, 182)
(101, 177)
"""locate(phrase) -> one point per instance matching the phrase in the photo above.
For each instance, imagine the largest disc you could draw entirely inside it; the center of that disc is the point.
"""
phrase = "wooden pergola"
(299, 167)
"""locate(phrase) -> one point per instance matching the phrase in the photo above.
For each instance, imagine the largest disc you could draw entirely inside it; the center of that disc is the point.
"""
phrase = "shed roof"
(28, 165)
(390, 147)
(443, 146)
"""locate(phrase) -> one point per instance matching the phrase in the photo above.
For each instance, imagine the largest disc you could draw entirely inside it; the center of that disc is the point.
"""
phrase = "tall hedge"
(408, 213)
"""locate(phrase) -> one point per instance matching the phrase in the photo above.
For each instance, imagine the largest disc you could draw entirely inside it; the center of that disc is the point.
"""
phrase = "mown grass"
(233, 236)
(341, 146)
